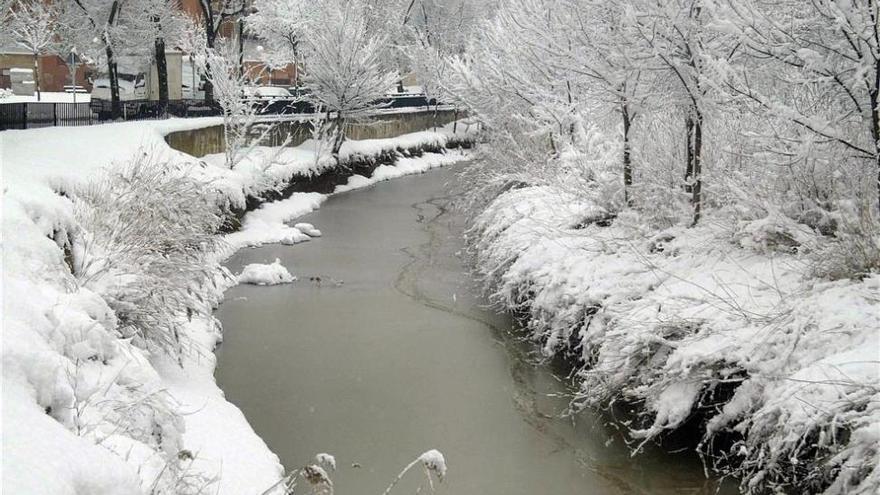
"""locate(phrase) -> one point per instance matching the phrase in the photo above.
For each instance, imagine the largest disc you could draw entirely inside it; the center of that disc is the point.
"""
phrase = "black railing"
(29, 115)
(40, 114)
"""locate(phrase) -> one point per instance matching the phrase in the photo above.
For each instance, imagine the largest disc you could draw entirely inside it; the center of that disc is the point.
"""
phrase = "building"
(285, 76)
(54, 74)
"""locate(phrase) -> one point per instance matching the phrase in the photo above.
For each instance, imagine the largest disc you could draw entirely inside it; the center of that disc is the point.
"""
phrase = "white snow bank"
(404, 166)
(83, 410)
(267, 224)
(434, 138)
(265, 274)
(691, 320)
(308, 229)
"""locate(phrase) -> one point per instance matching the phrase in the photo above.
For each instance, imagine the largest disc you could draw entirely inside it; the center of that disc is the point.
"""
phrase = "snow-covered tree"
(676, 35)
(433, 33)
(94, 24)
(524, 76)
(279, 25)
(160, 21)
(769, 111)
(826, 58)
(32, 25)
(103, 30)
(242, 130)
(213, 14)
(347, 67)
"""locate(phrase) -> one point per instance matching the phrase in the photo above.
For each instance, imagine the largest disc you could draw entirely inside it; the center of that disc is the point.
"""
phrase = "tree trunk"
(113, 75)
(37, 75)
(162, 74)
(874, 95)
(112, 69)
(627, 160)
(697, 199)
(340, 136)
(689, 169)
(241, 46)
(209, 42)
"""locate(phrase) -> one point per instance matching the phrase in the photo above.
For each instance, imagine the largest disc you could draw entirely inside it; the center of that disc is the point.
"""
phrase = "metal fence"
(29, 115)
(38, 114)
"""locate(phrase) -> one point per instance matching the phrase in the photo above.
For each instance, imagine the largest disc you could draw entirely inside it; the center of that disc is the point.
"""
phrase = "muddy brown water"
(393, 353)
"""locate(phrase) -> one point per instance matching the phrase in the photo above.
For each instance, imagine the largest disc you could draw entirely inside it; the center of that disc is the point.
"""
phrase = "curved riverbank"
(392, 352)
(721, 334)
(71, 363)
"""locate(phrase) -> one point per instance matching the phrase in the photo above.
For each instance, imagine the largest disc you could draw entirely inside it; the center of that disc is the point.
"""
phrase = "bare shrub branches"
(147, 231)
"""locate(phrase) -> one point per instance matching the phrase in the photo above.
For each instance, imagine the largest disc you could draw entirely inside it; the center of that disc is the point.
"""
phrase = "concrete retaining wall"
(210, 140)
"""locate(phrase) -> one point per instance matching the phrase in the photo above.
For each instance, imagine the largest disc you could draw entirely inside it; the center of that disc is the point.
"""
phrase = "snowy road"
(382, 350)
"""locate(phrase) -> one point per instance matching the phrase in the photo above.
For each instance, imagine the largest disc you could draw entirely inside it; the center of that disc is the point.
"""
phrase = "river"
(392, 352)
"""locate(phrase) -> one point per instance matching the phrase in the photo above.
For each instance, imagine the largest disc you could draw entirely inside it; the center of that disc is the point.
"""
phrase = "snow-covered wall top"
(207, 140)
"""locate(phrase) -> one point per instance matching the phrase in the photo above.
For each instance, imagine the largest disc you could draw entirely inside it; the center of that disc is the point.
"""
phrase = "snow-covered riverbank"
(86, 409)
(725, 327)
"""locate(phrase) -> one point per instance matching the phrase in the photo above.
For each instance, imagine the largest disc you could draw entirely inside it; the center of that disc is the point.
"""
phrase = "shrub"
(145, 243)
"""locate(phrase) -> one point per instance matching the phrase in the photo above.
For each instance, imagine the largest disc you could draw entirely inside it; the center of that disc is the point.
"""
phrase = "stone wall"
(210, 140)
(198, 142)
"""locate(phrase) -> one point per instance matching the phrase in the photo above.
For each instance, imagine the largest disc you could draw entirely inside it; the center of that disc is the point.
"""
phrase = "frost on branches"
(683, 198)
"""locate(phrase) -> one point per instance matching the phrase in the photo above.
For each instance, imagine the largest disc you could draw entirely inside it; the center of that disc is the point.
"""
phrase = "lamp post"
(71, 64)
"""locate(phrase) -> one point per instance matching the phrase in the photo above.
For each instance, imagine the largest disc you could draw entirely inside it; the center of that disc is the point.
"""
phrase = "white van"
(138, 85)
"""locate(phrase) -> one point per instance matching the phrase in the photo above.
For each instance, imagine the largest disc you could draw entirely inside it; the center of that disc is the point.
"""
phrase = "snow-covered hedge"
(725, 328)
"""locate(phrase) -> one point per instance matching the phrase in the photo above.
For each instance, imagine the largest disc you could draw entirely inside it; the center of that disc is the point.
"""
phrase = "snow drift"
(265, 274)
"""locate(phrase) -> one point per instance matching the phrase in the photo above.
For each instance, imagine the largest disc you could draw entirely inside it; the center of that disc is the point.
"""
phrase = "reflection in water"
(404, 357)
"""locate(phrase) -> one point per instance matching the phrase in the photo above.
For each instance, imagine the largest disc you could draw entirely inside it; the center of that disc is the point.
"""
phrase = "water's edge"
(541, 413)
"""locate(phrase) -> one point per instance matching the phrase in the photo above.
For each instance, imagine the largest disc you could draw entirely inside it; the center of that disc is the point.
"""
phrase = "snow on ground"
(671, 319)
(83, 410)
(265, 274)
(268, 224)
(308, 229)
(403, 166)
(48, 97)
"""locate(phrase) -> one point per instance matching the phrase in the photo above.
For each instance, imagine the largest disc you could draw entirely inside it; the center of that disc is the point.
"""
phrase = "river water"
(393, 353)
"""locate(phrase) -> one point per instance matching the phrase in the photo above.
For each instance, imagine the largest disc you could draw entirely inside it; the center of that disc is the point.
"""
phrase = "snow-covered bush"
(683, 256)
(854, 249)
(686, 328)
(147, 232)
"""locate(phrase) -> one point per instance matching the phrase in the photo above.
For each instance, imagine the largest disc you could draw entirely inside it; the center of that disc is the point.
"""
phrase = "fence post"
(55, 113)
